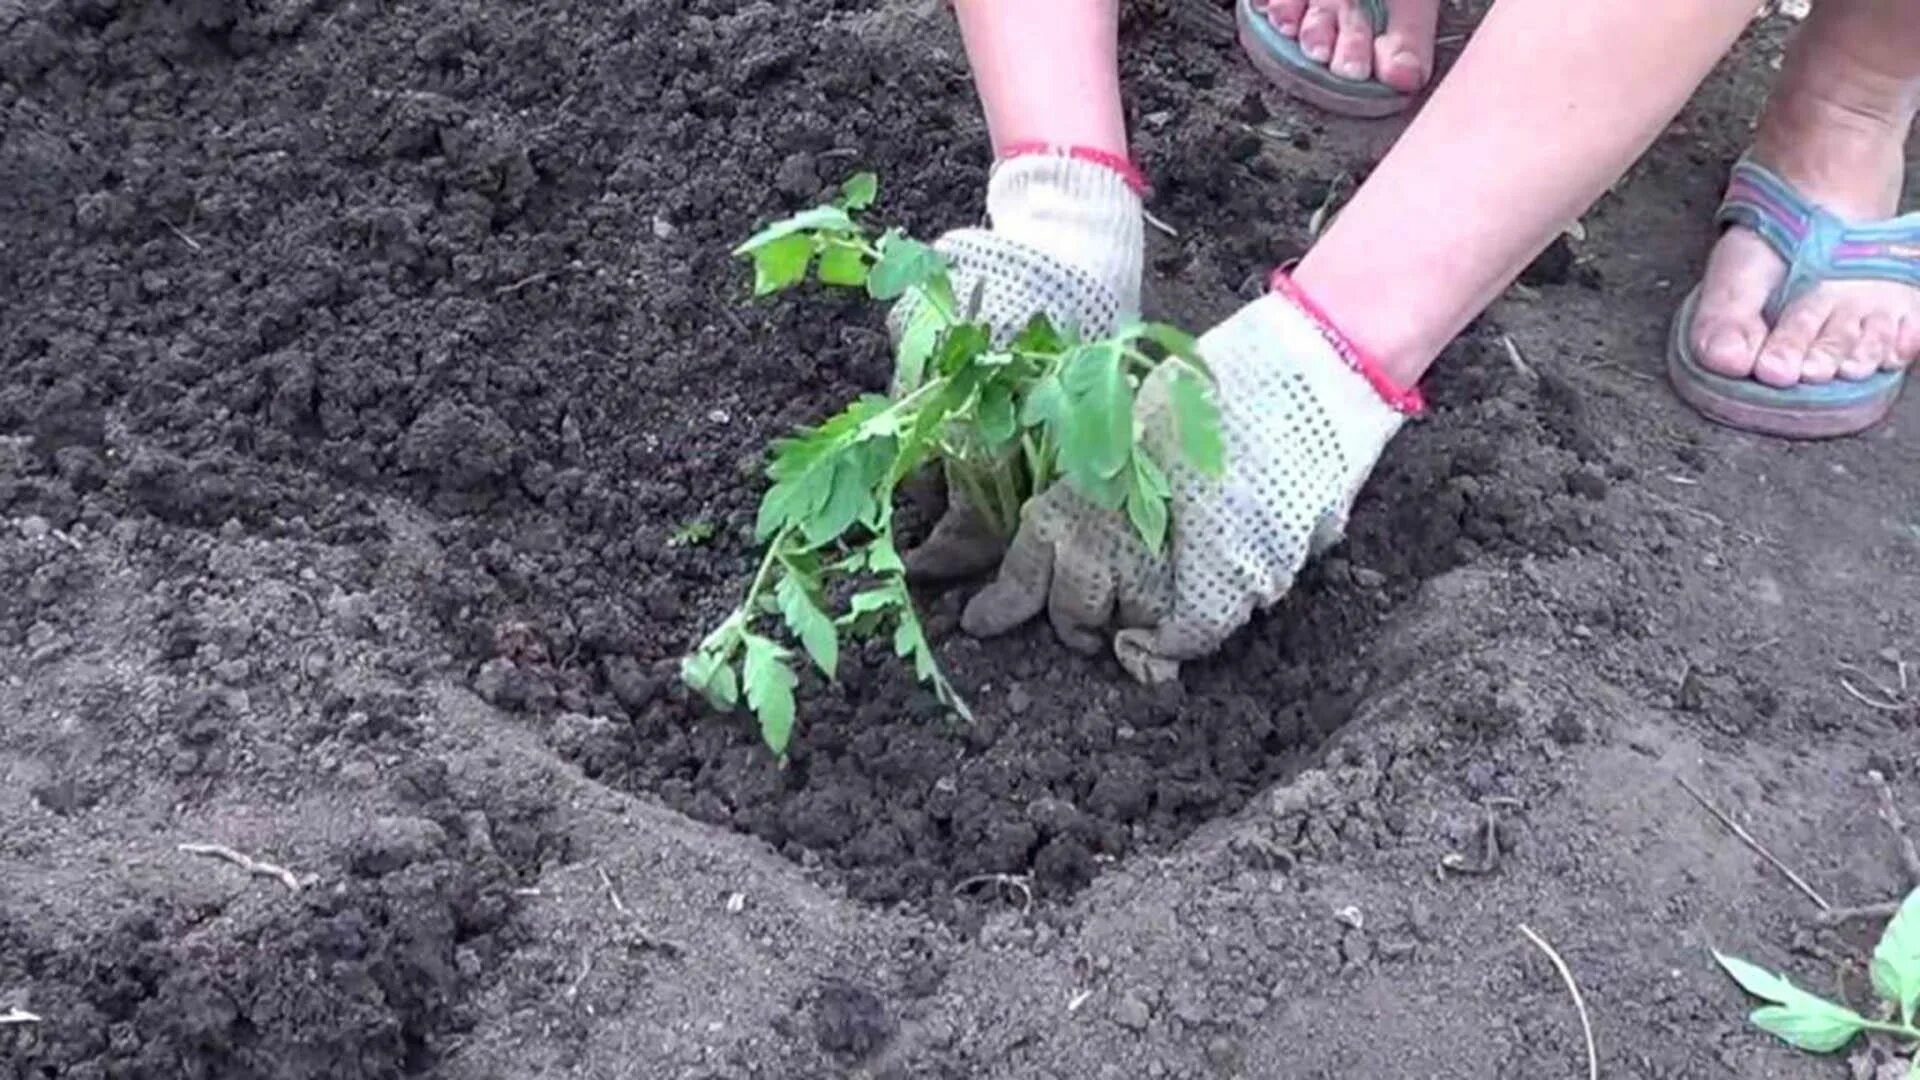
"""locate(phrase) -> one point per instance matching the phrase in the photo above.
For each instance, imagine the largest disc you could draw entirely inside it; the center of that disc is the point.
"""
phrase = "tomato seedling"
(1811, 1022)
(1004, 419)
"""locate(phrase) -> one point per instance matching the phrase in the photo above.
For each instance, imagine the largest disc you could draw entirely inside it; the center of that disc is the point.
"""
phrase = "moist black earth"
(359, 359)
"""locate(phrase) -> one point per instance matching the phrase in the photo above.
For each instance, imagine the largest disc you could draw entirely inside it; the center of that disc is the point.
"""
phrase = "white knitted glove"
(1303, 428)
(1065, 241)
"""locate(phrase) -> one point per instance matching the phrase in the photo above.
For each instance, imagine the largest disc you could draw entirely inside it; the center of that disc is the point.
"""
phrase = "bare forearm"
(1549, 105)
(1047, 72)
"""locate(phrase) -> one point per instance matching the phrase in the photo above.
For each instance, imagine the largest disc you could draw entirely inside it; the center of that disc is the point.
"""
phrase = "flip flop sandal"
(1817, 247)
(1281, 59)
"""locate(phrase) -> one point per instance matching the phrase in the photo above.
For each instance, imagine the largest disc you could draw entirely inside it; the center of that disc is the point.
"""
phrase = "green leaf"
(994, 416)
(917, 342)
(1175, 341)
(1097, 435)
(882, 558)
(1038, 336)
(781, 264)
(1896, 959)
(859, 191)
(1819, 1026)
(1106, 492)
(708, 673)
(811, 625)
(1046, 403)
(962, 345)
(1801, 1019)
(843, 264)
(904, 263)
(1197, 420)
(846, 498)
(770, 691)
(818, 219)
(866, 609)
(1147, 502)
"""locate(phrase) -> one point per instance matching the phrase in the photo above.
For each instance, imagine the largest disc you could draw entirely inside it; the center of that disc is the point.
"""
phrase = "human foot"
(1359, 57)
(1834, 132)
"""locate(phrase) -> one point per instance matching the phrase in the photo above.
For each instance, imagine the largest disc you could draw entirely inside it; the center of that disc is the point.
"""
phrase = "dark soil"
(358, 359)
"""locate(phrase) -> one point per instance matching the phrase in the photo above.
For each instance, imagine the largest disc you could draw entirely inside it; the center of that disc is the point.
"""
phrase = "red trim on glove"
(1107, 159)
(1407, 400)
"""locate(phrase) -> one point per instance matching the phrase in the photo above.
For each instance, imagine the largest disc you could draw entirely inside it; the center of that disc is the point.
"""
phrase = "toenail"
(1348, 68)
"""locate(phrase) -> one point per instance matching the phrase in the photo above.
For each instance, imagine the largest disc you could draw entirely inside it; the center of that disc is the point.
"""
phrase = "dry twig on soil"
(1909, 859)
(18, 1016)
(1007, 882)
(1759, 848)
(250, 865)
(1579, 1003)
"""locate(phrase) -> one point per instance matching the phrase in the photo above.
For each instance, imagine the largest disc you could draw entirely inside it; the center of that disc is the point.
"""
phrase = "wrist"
(1394, 389)
(1079, 206)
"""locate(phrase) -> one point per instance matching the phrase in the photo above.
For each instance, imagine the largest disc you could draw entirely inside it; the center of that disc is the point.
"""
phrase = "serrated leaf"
(1147, 502)
(1045, 404)
(818, 219)
(1896, 959)
(847, 496)
(994, 417)
(781, 264)
(841, 264)
(1802, 1019)
(810, 625)
(1038, 336)
(769, 684)
(1096, 436)
(962, 344)
(859, 191)
(904, 263)
(917, 342)
(882, 558)
(1196, 419)
(1819, 1026)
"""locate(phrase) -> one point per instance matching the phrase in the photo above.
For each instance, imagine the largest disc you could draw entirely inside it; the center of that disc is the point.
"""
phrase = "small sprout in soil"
(692, 534)
(1813, 1023)
(1003, 420)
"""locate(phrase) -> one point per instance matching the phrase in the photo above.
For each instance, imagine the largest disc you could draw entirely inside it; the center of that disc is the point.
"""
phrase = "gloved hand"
(1304, 417)
(1065, 241)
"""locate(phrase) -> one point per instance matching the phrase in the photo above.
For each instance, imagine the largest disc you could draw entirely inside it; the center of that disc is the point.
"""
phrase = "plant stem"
(767, 561)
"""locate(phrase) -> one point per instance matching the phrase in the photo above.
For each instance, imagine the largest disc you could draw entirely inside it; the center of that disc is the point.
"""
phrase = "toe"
(1403, 55)
(1906, 343)
(1728, 329)
(1286, 15)
(1832, 347)
(1728, 346)
(1784, 355)
(1319, 28)
(1353, 48)
(1874, 349)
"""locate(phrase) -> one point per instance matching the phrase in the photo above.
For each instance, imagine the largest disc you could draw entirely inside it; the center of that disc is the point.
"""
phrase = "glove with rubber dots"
(1304, 417)
(1064, 240)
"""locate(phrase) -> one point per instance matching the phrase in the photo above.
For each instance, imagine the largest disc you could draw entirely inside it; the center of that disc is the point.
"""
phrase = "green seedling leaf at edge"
(769, 684)
(810, 625)
(1797, 1017)
(917, 342)
(994, 416)
(1038, 336)
(1175, 341)
(859, 191)
(1096, 436)
(843, 264)
(904, 264)
(712, 676)
(781, 264)
(1896, 959)
(1147, 502)
(1196, 418)
(1045, 404)
(830, 219)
